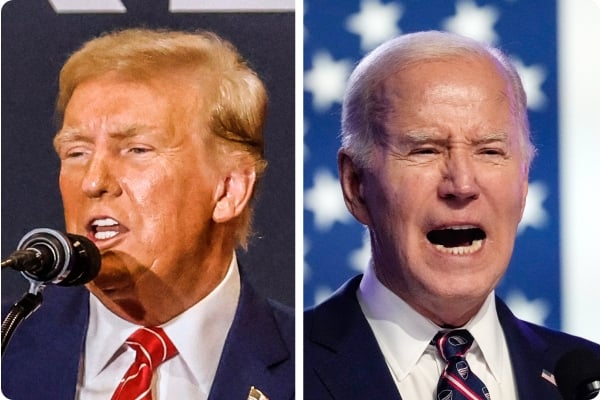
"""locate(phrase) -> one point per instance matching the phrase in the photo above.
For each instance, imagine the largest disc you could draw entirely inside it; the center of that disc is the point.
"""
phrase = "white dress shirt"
(404, 338)
(199, 334)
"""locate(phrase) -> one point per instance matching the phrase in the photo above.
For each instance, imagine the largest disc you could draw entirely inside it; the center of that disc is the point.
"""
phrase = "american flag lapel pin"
(549, 377)
(256, 394)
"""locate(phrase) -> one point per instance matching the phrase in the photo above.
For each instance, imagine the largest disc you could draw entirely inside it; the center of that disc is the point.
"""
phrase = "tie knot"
(452, 344)
(152, 345)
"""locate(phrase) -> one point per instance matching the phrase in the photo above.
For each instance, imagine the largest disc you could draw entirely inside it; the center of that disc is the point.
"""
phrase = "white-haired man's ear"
(353, 188)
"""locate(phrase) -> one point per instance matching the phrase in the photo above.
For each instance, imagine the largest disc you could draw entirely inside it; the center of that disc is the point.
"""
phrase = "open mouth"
(104, 228)
(457, 240)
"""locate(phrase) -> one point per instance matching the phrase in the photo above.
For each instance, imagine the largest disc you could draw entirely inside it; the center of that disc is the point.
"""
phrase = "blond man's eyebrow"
(69, 135)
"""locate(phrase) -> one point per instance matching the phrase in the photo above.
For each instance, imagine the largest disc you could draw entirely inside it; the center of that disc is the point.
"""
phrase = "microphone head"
(67, 259)
(577, 374)
(86, 261)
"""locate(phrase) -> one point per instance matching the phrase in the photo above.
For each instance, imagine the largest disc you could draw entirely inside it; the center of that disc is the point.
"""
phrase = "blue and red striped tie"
(457, 381)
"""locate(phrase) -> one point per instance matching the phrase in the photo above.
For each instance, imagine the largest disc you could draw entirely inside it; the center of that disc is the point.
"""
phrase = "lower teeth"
(461, 250)
(105, 235)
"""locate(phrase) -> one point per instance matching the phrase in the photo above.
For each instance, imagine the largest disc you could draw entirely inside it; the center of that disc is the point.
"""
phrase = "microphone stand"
(48, 256)
(21, 310)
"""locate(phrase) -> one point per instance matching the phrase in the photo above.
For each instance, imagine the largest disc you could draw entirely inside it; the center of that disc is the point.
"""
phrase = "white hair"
(364, 108)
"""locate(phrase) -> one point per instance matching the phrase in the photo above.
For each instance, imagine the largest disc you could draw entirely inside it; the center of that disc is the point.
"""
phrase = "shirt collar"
(489, 335)
(405, 334)
(208, 320)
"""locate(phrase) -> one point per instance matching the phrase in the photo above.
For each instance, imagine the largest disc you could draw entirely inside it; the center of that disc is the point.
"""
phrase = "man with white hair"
(434, 162)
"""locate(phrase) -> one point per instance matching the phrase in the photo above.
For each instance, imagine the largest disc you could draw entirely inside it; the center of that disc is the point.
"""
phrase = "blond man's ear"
(233, 194)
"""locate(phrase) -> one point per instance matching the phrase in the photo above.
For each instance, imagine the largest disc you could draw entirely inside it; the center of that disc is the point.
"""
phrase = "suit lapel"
(356, 367)
(48, 345)
(528, 356)
(255, 353)
(355, 362)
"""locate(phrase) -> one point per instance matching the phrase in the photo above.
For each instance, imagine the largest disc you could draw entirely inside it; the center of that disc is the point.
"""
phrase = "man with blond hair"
(161, 147)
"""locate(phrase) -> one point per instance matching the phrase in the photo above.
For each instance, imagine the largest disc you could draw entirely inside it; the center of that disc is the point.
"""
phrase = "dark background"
(35, 43)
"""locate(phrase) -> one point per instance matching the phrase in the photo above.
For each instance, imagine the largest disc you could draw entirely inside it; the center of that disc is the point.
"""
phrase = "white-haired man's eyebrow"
(412, 138)
(494, 137)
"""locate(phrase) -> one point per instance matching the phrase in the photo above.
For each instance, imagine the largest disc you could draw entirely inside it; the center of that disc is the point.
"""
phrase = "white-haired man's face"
(446, 187)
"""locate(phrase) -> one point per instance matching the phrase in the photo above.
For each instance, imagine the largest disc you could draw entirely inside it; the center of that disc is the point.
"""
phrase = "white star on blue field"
(337, 35)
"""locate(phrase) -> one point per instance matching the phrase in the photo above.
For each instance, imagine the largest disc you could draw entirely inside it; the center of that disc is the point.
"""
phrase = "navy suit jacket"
(42, 359)
(342, 359)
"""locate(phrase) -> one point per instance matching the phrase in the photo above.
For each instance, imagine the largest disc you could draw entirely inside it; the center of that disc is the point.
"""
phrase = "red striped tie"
(152, 347)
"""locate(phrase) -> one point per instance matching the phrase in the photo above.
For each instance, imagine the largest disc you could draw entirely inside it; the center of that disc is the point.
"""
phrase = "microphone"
(577, 375)
(48, 256)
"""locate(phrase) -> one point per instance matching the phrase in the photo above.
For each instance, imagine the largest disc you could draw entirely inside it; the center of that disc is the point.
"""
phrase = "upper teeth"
(104, 222)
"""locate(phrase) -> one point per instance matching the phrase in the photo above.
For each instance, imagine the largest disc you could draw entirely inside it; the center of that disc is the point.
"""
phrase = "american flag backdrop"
(553, 279)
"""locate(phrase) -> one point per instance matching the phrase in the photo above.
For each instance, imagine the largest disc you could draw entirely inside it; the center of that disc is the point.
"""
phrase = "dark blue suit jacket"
(42, 359)
(342, 359)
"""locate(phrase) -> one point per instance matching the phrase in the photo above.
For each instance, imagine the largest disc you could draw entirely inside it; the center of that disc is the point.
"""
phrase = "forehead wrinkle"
(131, 130)
(502, 96)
